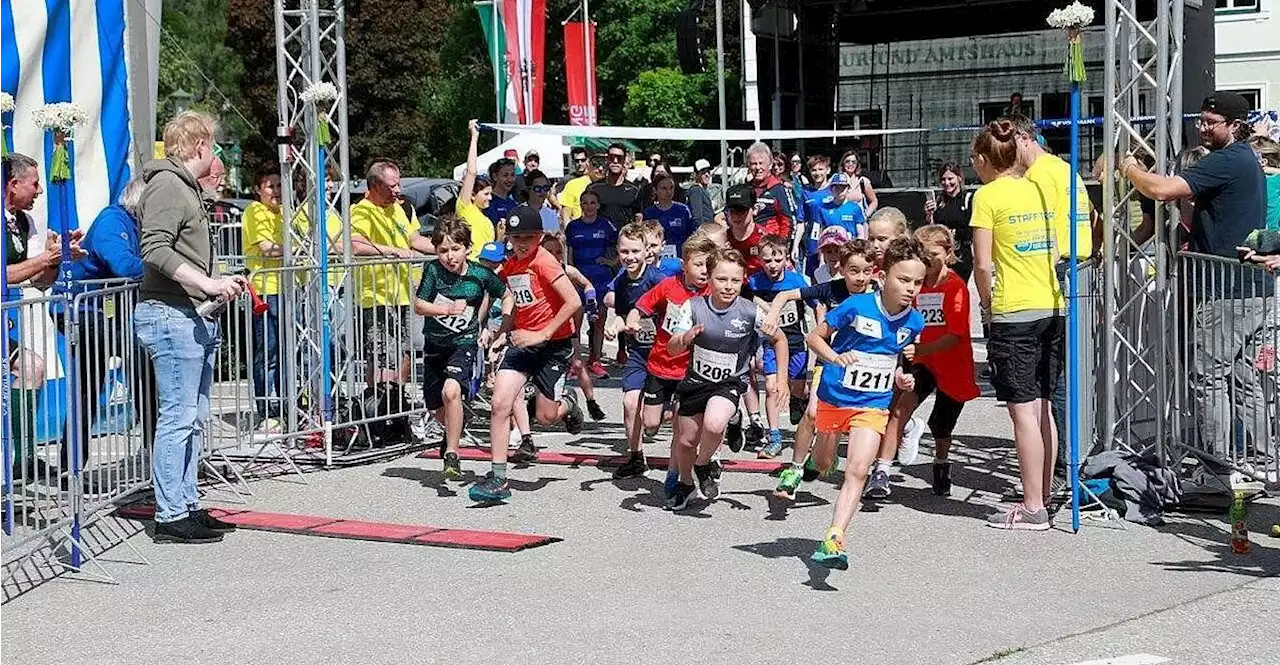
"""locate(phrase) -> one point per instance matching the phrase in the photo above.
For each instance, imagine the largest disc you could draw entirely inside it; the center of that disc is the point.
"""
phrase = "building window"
(1251, 95)
(1237, 6)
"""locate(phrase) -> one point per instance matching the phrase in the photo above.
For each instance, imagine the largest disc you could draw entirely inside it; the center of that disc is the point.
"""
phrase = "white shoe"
(909, 448)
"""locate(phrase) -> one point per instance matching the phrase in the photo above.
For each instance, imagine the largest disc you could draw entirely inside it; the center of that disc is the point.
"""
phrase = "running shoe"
(708, 484)
(572, 414)
(755, 435)
(811, 470)
(452, 467)
(633, 467)
(878, 485)
(597, 370)
(526, 453)
(1018, 518)
(798, 407)
(733, 436)
(717, 467)
(593, 408)
(669, 484)
(909, 448)
(490, 490)
(773, 448)
(942, 479)
(679, 497)
(788, 483)
(830, 553)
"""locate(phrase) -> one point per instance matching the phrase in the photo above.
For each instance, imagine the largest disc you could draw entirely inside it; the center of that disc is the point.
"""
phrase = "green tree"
(194, 58)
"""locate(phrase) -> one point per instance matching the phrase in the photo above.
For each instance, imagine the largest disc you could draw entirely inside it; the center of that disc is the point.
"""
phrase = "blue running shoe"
(490, 490)
(830, 553)
(772, 449)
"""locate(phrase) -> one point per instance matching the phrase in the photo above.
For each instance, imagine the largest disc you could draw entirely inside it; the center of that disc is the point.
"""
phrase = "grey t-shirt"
(722, 352)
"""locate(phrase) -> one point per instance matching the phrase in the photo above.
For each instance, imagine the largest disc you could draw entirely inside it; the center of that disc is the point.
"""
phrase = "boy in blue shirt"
(591, 240)
(764, 286)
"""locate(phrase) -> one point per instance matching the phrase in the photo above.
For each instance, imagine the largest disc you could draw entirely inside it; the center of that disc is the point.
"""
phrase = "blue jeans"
(267, 389)
(181, 346)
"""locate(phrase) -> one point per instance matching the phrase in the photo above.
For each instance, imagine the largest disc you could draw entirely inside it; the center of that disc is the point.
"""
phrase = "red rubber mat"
(386, 532)
(591, 459)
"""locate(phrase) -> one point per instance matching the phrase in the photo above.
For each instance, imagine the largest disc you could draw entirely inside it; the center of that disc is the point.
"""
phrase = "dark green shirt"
(441, 287)
(15, 239)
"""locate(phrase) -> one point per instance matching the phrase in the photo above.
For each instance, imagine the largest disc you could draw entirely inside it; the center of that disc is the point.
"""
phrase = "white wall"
(1248, 51)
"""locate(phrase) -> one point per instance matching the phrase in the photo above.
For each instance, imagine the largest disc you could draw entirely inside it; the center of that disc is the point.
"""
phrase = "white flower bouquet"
(1073, 18)
(6, 106)
(318, 94)
(61, 118)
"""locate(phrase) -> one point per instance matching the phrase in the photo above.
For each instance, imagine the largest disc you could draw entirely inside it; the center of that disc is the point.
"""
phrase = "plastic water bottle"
(1239, 533)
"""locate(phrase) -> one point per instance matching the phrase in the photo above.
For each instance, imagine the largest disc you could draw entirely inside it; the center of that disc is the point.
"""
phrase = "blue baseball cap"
(492, 251)
(839, 179)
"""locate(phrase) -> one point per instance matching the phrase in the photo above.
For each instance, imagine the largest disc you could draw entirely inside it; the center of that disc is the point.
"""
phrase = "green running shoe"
(811, 471)
(788, 482)
(830, 553)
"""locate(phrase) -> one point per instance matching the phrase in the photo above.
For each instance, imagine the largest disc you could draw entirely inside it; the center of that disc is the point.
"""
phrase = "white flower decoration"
(60, 117)
(6, 102)
(323, 91)
(1074, 15)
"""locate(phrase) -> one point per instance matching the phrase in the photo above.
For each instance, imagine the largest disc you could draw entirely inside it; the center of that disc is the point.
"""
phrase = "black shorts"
(1026, 359)
(946, 411)
(694, 397)
(659, 391)
(446, 362)
(545, 365)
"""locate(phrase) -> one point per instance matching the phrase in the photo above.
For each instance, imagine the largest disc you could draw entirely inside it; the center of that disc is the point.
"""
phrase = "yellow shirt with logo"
(1051, 174)
(571, 196)
(1023, 248)
(481, 227)
(387, 284)
(333, 229)
(260, 223)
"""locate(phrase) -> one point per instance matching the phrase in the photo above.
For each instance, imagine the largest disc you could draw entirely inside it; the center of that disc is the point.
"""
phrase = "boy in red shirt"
(538, 310)
(744, 234)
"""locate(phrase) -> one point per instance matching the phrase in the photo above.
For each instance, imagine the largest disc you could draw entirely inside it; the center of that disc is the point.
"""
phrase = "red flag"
(525, 21)
(580, 72)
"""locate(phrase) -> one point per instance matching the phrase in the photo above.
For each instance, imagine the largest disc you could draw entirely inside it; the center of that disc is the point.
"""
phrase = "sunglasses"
(541, 189)
(579, 160)
(616, 158)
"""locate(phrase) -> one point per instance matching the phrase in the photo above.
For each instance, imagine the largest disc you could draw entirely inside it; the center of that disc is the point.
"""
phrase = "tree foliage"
(195, 58)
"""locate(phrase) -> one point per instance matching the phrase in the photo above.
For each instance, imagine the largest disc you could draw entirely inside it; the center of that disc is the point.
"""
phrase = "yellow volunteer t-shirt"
(260, 223)
(481, 227)
(1051, 174)
(571, 196)
(1023, 249)
(333, 229)
(388, 284)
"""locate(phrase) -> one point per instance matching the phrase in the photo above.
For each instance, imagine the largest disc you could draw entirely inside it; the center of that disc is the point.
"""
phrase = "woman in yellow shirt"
(1014, 252)
(473, 198)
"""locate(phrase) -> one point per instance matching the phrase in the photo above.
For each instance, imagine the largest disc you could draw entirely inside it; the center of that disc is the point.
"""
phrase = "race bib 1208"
(714, 365)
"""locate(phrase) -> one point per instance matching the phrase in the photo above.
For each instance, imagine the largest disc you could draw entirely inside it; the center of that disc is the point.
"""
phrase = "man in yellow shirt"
(381, 229)
(571, 193)
(1052, 175)
(262, 229)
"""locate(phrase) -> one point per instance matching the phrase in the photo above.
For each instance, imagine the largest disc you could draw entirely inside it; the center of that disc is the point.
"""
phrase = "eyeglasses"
(1201, 123)
(541, 189)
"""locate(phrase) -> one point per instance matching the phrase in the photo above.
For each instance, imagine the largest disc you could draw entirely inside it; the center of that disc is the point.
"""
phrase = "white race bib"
(679, 318)
(647, 333)
(713, 365)
(815, 231)
(522, 288)
(930, 306)
(871, 373)
(668, 252)
(454, 322)
(789, 315)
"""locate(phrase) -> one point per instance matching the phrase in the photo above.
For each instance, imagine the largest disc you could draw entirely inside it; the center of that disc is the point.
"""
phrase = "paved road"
(629, 583)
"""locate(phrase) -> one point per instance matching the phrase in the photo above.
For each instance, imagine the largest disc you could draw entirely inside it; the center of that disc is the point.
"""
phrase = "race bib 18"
(521, 288)
(714, 365)
(871, 373)
(930, 306)
(789, 315)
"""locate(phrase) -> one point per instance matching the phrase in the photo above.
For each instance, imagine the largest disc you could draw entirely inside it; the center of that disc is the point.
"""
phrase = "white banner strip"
(684, 134)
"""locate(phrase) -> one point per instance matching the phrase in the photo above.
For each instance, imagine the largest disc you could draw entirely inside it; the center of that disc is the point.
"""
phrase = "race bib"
(871, 373)
(713, 365)
(454, 322)
(815, 231)
(668, 252)
(789, 315)
(930, 306)
(647, 333)
(679, 318)
(522, 289)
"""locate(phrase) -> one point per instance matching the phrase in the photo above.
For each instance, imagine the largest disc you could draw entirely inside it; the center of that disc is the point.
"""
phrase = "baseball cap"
(833, 235)
(740, 197)
(492, 251)
(523, 220)
(839, 180)
(511, 153)
(531, 154)
(701, 165)
(1227, 104)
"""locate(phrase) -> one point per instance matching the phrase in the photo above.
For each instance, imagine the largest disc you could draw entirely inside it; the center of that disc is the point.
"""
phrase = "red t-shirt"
(775, 207)
(536, 301)
(667, 303)
(946, 310)
(749, 247)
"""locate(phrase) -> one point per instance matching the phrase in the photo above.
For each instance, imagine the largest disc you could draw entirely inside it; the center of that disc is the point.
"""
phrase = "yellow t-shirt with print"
(1051, 174)
(387, 284)
(481, 227)
(571, 196)
(333, 229)
(260, 223)
(1023, 248)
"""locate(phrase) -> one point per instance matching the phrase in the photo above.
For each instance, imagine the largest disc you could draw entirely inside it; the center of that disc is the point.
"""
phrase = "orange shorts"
(841, 419)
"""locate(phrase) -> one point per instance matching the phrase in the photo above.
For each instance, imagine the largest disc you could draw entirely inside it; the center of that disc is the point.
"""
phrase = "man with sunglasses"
(619, 197)
(571, 192)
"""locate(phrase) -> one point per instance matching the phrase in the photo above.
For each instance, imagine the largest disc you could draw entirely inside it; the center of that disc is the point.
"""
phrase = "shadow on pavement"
(1262, 561)
(794, 548)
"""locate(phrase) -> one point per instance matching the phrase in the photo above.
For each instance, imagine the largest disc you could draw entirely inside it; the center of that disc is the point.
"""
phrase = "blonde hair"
(937, 234)
(890, 215)
(185, 131)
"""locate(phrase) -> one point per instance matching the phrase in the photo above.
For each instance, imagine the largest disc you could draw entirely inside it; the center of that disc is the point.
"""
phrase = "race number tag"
(522, 289)
(648, 331)
(789, 315)
(453, 322)
(713, 365)
(679, 318)
(815, 232)
(668, 252)
(871, 373)
(930, 306)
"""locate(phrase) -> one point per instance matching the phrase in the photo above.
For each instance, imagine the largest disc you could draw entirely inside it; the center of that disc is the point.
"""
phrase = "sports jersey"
(830, 293)
(619, 203)
(722, 352)
(813, 199)
(667, 303)
(499, 209)
(749, 247)
(791, 318)
(847, 215)
(945, 309)
(775, 207)
(441, 286)
(862, 326)
(677, 226)
(1052, 175)
(530, 283)
(662, 269)
(1023, 236)
(384, 284)
(626, 292)
(482, 231)
(590, 241)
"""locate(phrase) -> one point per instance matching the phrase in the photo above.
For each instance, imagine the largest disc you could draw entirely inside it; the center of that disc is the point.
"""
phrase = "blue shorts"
(635, 370)
(797, 363)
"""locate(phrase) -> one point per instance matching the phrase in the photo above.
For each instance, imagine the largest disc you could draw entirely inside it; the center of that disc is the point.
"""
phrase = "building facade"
(1247, 41)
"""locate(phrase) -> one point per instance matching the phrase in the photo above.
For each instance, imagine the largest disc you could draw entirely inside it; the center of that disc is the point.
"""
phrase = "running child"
(721, 340)
(591, 240)
(745, 236)
(453, 297)
(763, 287)
(943, 358)
(538, 309)
(675, 217)
(862, 341)
(829, 245)
(554, 243)
(655, 242)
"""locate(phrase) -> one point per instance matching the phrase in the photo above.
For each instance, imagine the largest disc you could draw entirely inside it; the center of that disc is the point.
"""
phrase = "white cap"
(701, 165)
